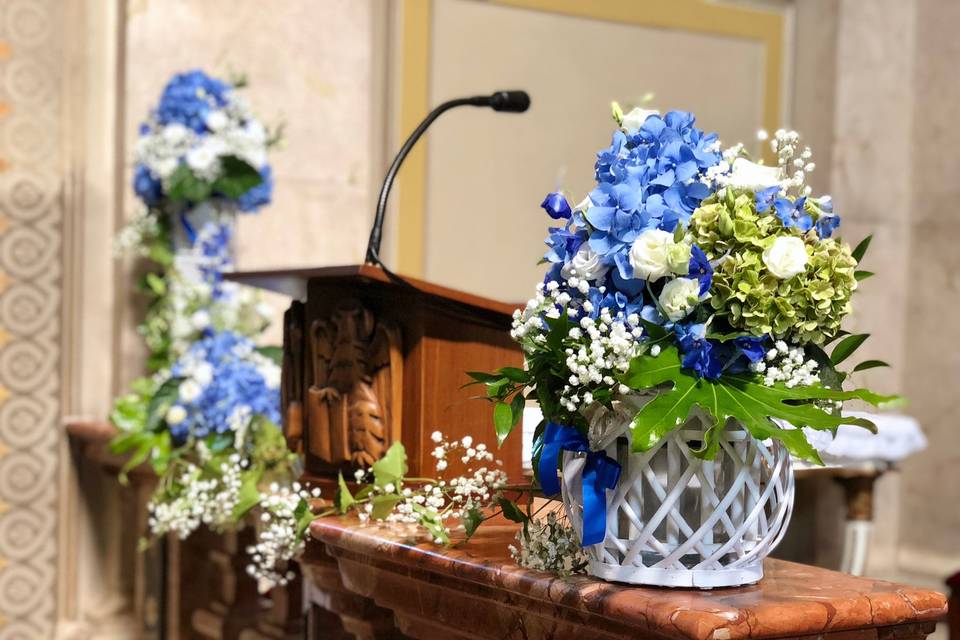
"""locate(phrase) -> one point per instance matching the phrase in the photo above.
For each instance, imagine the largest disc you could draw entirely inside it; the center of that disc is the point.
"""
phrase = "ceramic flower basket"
(678, 521)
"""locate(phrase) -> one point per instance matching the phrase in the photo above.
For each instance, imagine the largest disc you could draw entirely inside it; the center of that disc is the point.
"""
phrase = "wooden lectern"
(369, 360)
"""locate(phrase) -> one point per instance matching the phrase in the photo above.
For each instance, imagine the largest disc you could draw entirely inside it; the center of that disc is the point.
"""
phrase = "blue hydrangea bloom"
(189, 97)
(235, 384)
(646, 180)
(259, 195)
(146, 186)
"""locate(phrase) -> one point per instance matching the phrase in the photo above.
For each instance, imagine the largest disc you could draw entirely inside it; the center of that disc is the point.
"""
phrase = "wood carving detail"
(353, 403)
(291, 383)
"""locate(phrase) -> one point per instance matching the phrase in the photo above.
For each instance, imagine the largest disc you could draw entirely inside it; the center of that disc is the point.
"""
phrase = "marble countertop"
(792, 599)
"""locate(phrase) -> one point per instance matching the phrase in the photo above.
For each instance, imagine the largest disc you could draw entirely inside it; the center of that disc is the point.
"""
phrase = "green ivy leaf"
(846, 347)
(732, 397)
(342, 499)
(472, 520)
(861, 249)
(383, 505)
(304, 517)
(274, 353)
(238, 177)
(391, 467)
(502, 421)
(249, 495)
(511, 511)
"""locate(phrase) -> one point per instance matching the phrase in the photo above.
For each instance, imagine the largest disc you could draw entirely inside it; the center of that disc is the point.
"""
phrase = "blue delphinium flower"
(147, 187)
(700, 268)
(563, 244)
(556, 206)
(765, 197)
(793, 214)
(697, 351)
(259, 195)
(189, 97)
(828, 221)
(229, 383)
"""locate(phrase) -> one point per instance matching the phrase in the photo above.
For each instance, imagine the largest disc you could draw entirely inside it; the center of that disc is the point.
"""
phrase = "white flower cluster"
(550, 545)
(603, 346)
(794, 163)
(208, 501)
(233, 132)
(784, 363)
(277, 540)
(442, 500)
(132, 237)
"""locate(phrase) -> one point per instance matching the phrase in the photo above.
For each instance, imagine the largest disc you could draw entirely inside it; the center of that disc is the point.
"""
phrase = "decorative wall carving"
(30, 270)
(353, 402)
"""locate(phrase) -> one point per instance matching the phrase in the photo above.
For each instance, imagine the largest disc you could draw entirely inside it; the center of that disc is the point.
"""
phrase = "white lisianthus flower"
(679, 297)
(786, 257)
(634, 120)
(750, 175)
(175, 415)
(175, 133)
(190, 390)
(203, 373)
(586, 264)
(654, 254)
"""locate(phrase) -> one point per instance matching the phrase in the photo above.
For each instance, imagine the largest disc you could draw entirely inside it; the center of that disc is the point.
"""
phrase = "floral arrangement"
(691, 283)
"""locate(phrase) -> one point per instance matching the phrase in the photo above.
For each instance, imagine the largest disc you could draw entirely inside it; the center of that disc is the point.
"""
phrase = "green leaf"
(391, 467)
(681, 396)
(472, 520)
(272, 352)
(653, 330)
(828, 374)
(342, 499)
(559, 329)
(383, 505)
(870, 364)
(249, 494)
(184, 186)
(162, 400)
(511, 511)
(155, 283)
(861, 249)
(304, 517)
(514, 374)
(517, 406)
(502, 421)
(239, 176)
(482, 377)
(846, 347)
(432, 522)
(862, 275)
(220, 442)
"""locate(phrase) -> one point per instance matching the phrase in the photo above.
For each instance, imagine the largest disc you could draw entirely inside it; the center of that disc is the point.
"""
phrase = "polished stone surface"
(456, 591)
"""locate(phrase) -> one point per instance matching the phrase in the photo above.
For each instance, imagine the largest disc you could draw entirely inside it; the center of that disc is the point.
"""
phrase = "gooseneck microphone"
(510, 101)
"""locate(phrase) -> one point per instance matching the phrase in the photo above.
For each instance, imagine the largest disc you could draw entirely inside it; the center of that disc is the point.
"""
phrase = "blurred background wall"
(872, 85)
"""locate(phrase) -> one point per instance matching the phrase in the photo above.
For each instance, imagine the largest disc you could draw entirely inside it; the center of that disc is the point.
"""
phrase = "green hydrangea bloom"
(808, 307)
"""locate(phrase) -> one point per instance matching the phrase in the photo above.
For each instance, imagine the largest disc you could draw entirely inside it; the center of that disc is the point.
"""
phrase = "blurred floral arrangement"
(206, 419)
(691, 283)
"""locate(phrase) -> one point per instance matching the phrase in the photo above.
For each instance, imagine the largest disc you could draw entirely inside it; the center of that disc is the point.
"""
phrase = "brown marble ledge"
(476, 591)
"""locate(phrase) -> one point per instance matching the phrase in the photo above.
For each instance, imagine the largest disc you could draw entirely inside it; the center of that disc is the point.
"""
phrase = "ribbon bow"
(600, 473)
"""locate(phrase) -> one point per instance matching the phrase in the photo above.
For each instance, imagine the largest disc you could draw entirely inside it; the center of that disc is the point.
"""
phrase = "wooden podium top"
(293, 282)
(475, 590)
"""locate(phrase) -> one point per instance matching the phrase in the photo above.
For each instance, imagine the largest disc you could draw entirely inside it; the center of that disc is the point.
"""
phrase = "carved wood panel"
(292, 374)
(353, 404)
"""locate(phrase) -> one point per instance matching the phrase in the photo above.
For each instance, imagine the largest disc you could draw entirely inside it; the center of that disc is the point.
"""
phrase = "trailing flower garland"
(691, 283)
(206, 419)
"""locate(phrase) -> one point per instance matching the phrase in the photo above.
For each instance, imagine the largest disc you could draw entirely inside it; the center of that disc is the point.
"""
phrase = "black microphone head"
(515, 101)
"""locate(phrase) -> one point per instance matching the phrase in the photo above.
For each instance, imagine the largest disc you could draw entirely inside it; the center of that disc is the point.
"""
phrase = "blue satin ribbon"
(600, 473)
(191, 232)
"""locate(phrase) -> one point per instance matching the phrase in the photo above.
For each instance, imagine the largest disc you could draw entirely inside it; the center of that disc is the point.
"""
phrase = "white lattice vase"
(678, 521)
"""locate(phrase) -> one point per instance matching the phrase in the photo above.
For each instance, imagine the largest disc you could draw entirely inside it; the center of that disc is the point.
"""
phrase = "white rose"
(750, 175)
(216, 120)
(175, 415)
(189, 391)
(679, 297)
(651, 255)
(586, 264)
(786, 257)
(635, 119)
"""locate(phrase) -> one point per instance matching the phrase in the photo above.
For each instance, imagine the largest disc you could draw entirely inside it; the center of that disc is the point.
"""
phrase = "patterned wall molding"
(30, 283)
